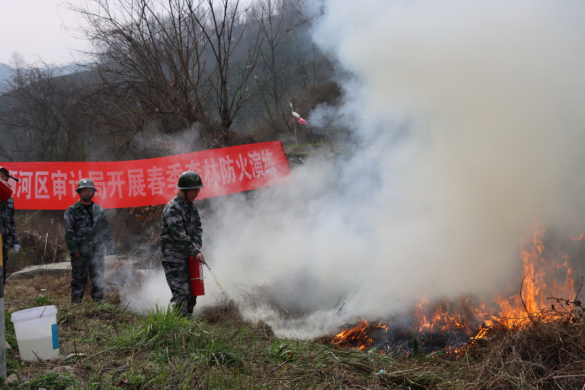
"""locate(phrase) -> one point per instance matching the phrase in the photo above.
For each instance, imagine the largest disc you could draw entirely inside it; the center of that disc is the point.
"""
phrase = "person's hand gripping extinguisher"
(200, 258)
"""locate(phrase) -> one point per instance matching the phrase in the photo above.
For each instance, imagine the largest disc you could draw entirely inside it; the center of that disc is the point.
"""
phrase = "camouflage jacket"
(7, 229)
(181, 232)
(87, 237)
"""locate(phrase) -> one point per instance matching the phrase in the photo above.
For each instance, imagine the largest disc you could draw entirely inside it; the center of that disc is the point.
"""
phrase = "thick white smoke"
(471, 127)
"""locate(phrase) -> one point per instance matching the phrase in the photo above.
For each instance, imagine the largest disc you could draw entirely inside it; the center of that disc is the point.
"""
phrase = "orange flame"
(357, 337)
(540, 281)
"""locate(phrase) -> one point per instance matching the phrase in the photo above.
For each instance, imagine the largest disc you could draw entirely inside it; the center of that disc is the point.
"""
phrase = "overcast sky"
(38, 28)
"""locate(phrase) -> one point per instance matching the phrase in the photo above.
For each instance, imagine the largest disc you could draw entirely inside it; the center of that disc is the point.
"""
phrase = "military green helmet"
(189, 180)
(85, 183)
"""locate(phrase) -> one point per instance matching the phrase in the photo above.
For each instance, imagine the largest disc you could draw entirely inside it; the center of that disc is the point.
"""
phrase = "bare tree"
(273, 22)
(173, 60)
(270, 16)
(147, 55)
(42, 117)
(224, 27)
(47, 115)
(18, 63)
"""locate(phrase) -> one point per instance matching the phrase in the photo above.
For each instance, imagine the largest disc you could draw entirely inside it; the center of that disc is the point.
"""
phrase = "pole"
(2, 319)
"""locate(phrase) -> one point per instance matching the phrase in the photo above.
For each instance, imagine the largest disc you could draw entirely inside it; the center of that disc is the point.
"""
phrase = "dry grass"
(42, 239)
(223, 312)
(220, 351)
(119, 277)
(215, 351)
(545, 352)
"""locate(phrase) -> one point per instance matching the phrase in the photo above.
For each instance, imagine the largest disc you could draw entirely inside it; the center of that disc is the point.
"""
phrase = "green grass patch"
(52, 381)
(162, 327)
(44, 300)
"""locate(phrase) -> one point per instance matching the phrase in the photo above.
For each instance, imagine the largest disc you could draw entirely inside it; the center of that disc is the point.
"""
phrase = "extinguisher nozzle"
(208, 267)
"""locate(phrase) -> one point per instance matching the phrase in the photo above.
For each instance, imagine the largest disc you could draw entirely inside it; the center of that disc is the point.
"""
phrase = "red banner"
(52, 185)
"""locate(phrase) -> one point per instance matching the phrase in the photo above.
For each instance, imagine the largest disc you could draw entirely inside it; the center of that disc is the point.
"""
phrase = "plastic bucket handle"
(33, 314)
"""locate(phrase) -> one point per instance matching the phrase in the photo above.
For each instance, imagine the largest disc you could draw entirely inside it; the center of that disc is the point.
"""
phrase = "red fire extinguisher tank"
(5, 191)
(196, 274)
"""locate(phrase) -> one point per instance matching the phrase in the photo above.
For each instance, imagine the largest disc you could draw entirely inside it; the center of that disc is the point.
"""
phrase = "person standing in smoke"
(88, 235)
(181, 237)
(7, 227)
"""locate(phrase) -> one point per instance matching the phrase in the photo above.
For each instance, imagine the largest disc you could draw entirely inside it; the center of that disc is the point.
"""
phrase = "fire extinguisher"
(196, 274)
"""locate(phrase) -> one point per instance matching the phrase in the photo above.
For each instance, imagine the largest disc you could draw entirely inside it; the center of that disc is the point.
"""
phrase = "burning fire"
(545, 275)
(540, 282)
(357, 337)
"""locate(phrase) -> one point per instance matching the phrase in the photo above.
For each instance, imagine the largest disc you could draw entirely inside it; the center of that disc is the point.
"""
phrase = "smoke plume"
(469, 127)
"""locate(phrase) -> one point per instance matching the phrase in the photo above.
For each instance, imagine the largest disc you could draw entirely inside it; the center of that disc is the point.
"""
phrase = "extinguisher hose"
(208, 267)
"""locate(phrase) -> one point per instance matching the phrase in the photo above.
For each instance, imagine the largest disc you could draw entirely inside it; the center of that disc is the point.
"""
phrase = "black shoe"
(76, 299)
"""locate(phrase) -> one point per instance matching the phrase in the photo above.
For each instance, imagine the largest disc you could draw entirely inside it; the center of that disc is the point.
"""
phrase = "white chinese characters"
(221, 172)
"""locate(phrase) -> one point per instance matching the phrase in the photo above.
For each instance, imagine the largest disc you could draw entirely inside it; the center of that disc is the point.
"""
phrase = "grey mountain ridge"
(6, 71)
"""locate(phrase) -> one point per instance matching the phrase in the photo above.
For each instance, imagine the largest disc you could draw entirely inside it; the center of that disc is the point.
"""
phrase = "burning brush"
(452, 326)
(358, 336)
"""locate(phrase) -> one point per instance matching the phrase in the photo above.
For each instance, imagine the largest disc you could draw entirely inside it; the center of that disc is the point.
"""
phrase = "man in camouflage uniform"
(7, 228)
(88, 235)
(181, 237)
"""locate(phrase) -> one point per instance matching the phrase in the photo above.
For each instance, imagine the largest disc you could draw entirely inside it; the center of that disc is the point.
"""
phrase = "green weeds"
(162, 327)
(53, 381)
(44, 300)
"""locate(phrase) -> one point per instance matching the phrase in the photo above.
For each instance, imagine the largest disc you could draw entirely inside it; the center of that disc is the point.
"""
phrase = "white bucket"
(36, 332)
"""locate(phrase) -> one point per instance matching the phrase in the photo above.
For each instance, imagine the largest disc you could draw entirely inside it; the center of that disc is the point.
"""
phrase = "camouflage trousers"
(87, 265)
(5, 252)
(177, 275)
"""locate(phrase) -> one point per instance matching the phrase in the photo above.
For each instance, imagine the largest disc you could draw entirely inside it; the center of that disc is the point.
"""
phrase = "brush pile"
(544, 352)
